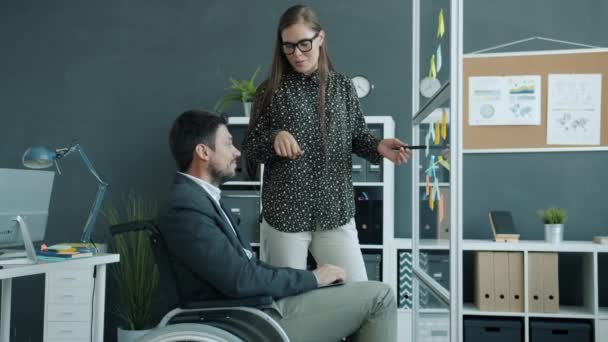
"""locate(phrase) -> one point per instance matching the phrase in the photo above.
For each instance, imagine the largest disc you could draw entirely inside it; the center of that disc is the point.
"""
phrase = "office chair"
(228, 320)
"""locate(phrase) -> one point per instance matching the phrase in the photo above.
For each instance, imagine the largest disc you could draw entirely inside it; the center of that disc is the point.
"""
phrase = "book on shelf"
(503, 227)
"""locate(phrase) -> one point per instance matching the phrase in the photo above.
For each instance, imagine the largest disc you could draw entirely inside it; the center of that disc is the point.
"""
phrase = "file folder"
(535, 282)
(501, 281)
(516, 282)
(550, 283)
(484, 281)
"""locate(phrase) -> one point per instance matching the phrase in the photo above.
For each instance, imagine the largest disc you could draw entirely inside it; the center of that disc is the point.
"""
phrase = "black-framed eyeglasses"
(303, 45)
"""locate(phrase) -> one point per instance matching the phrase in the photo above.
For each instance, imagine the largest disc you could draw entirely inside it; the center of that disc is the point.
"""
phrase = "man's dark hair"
(191, 128)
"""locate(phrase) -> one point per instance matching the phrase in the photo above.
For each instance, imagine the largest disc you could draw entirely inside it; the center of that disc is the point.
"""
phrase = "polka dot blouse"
(314, 191)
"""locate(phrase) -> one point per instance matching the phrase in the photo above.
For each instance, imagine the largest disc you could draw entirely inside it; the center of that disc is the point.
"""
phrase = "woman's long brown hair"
(298, 14)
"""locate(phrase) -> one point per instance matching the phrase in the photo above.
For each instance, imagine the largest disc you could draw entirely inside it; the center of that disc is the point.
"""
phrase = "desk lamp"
(41, 157)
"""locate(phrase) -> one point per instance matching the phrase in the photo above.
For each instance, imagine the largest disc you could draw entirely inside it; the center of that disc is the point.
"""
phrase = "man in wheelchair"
(212, 260)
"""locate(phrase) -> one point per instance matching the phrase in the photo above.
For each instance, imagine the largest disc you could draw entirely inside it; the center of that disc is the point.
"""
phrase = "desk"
(97, 262)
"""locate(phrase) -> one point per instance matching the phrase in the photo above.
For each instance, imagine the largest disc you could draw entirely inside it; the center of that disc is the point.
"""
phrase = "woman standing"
(305, 125)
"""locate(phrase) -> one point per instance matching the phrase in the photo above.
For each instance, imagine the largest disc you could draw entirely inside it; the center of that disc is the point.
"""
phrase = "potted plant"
(239, 91)
(136, 275)
(554, 219)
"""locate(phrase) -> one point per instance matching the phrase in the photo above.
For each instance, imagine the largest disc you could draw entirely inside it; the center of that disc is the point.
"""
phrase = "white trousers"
(339, 246)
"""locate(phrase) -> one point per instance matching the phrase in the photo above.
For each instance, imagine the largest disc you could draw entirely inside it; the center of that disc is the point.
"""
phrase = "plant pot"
(554, 233)
(247, 108)
(129, 335)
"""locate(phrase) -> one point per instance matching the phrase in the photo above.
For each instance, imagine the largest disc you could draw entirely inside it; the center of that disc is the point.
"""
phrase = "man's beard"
(218, 176)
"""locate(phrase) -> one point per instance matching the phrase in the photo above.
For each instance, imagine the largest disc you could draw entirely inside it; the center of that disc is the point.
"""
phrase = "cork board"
(506, 137)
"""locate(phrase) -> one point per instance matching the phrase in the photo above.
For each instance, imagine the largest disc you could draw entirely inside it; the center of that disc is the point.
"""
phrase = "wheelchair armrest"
(260, 301)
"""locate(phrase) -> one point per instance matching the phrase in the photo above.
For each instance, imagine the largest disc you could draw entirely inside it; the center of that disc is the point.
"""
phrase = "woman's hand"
(285, 145)
(394, 150)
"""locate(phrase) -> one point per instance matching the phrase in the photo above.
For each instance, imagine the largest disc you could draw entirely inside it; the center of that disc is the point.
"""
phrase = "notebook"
(503, 227)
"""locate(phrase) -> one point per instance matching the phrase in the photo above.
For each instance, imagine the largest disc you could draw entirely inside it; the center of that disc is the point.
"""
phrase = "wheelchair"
(227, 320)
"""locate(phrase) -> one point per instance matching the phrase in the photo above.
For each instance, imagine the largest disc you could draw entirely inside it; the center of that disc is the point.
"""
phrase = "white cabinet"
(584, 260)
(602, 330)
(68, 304)
(404, 325)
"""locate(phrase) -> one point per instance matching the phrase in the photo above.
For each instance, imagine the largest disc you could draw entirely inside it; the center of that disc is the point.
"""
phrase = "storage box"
(373, 266)
(245, 206)
(484, 329)
(560, 330)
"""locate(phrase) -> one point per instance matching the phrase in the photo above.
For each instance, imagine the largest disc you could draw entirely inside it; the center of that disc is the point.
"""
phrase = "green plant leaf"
(553, 215)
(136, 275)
(238, 91)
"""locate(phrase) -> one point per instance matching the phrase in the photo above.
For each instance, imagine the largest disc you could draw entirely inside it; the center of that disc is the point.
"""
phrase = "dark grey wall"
(524, 183)
(116, 73)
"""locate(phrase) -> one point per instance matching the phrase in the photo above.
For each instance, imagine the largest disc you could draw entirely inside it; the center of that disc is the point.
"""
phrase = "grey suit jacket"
(208, 258)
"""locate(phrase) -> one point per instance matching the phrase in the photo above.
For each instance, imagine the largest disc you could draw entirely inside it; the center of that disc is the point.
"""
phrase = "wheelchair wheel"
(194, 332)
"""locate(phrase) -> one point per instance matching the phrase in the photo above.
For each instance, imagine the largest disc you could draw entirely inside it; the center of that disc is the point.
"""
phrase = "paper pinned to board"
(505, 100)
(574, 109)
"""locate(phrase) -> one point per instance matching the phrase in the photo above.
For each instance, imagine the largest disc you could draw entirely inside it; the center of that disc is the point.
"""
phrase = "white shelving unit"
(589, 309)
(387, 186)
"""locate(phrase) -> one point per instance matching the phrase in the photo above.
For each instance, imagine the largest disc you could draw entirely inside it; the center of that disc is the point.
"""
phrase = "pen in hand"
(418, 147)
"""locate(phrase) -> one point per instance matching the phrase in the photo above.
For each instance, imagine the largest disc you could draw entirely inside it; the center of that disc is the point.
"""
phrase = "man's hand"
(285, 145)
(327, 274)
(394, 150)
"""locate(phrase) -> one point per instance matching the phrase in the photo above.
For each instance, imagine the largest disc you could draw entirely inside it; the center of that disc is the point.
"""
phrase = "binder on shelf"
(550, 282)
(516, 282)
(502, 225)
(373, 172)
(358, 169)
(535, 282)
(484, 281)
(501, 281)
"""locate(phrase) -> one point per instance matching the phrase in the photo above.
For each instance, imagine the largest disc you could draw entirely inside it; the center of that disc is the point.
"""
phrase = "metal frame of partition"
(452, 297)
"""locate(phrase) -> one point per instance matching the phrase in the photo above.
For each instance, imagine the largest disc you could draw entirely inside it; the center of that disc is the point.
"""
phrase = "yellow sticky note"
(444, 120)
(432, 199)
(432, 68)
(436, 133)
(444, 163)
(440, 25)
